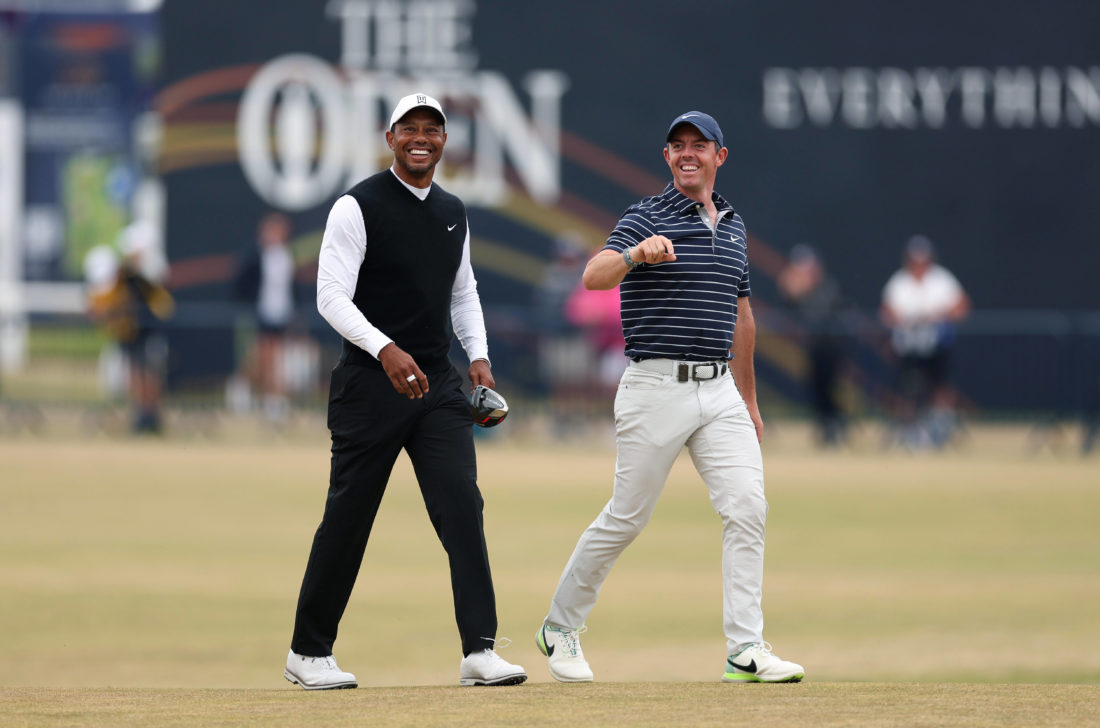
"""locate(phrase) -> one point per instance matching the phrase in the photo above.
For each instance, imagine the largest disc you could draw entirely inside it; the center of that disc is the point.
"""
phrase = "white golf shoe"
(317, 673)
(756, 663)
(562, 648)
(488, 668)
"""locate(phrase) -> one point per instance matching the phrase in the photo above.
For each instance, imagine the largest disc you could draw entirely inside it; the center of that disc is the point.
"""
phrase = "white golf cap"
(415, 101)
(137, 238)
(101, 268)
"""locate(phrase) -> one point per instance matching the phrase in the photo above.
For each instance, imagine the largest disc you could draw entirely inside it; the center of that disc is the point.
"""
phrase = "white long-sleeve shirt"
(343, 248)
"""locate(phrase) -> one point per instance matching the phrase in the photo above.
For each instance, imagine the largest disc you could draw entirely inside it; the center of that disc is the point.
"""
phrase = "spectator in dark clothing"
(815, 298)
(265, 280)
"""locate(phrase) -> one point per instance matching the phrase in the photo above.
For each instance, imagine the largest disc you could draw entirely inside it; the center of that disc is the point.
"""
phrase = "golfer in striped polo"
(681, 262)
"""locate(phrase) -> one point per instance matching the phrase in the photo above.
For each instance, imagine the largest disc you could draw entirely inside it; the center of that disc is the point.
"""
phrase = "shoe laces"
(760, 649)
(498, 643)
(570, 639)
(327, 663)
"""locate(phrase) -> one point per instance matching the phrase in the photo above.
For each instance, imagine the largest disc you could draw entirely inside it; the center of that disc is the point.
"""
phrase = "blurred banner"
(78, 75)
(85, 80)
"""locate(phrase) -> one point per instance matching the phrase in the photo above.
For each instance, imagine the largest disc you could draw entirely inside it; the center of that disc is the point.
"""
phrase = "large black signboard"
(850, 126)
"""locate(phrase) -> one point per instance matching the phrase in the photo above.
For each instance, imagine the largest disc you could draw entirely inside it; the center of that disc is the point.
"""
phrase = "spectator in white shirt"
(921, 304)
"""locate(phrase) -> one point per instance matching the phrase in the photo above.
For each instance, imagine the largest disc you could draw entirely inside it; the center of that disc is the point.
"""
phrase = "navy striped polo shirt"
(683, 309)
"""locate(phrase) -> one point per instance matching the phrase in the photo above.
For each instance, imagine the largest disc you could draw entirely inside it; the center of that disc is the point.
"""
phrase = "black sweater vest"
(414, 248)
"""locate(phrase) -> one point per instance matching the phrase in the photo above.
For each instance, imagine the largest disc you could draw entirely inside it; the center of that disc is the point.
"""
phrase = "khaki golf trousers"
(655, 416)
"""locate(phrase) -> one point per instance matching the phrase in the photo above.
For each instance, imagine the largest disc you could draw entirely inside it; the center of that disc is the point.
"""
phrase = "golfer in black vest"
(394, 279)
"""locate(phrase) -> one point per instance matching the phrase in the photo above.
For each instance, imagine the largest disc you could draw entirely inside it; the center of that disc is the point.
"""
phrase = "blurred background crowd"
(920, 247)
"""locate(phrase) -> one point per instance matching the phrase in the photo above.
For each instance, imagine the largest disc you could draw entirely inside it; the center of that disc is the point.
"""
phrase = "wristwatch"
(630, 262)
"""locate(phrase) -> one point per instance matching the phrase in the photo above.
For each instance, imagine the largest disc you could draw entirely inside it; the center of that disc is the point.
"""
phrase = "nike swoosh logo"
(549, 647)
(452, 227)
(751, 667)
(688, 116)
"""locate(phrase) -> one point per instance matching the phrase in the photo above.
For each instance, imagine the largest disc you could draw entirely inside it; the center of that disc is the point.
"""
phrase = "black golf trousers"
(370, 424)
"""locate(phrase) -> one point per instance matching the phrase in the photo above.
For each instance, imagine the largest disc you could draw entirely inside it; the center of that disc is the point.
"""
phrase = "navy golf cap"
(705, 123)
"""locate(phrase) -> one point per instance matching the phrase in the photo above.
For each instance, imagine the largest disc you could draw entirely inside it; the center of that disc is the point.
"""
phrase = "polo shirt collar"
(684, 204)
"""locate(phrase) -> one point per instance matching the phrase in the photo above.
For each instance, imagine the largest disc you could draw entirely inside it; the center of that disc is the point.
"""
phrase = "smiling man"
(394, 279)
(681, 261)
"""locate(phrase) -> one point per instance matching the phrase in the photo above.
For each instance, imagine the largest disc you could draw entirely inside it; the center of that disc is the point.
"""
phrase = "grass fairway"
(638, 705)
(153, 583)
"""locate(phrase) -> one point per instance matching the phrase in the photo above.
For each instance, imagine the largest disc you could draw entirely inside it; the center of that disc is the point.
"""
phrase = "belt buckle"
(713, 371)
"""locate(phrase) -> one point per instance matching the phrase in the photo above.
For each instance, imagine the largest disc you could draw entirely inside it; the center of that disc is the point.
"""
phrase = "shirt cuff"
(374, 343)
